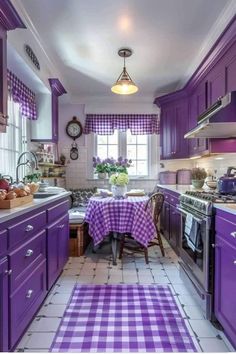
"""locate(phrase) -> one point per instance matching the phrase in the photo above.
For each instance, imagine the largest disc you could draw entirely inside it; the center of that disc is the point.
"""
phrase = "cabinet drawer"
(25, 258)
(3, 242)
(226, 229)
(26, 229)
(26, 301)
(58, 210)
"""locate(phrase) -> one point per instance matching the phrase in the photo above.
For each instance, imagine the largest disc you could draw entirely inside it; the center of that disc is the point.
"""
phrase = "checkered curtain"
(105, 124)
(23, 95)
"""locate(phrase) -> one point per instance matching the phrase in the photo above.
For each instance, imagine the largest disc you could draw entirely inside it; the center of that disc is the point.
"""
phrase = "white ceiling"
(168, 38)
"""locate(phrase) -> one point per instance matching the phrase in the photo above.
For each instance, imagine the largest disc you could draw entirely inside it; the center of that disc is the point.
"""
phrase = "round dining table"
(118, 216)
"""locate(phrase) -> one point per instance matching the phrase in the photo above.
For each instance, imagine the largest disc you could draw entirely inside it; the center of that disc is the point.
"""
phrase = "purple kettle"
(227, 183)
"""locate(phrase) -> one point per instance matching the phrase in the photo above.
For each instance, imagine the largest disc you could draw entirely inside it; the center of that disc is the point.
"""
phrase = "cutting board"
(13, 203)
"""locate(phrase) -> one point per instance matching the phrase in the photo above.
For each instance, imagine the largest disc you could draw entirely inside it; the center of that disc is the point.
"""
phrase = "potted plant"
(198, 177)
(119, 183)
(100, 167)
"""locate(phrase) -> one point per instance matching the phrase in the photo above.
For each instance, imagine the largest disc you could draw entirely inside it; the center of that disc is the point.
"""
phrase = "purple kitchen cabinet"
(4, 276)
(225, 285)
(216, 83)
(165, 220)
(57, 90)
(174, 116)
(175, 225)
(57, 248)
(25, 301)
(230, 69)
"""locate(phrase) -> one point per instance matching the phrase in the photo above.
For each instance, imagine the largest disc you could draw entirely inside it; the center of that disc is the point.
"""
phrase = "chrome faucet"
(33, 156)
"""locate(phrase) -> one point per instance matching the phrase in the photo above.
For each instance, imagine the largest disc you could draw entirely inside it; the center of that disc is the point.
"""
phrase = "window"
(134, 147)
(14, 141)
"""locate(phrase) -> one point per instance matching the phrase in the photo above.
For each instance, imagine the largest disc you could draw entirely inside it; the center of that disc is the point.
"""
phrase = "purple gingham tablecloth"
(120, 215)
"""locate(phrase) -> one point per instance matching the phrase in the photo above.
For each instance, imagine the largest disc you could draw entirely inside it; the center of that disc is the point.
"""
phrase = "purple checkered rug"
(122, 318)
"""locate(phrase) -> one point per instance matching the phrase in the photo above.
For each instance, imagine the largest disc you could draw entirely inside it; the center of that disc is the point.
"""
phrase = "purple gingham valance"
(105, 124)
(23, 95)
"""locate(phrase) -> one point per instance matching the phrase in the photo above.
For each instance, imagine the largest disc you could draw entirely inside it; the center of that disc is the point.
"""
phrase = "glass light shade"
(124, 84)
(124, 87)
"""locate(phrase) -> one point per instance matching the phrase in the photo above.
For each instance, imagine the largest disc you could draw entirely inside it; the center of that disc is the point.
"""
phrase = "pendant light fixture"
(124, 84)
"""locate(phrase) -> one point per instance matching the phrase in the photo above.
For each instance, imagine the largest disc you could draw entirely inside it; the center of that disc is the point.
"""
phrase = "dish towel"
(192, 233)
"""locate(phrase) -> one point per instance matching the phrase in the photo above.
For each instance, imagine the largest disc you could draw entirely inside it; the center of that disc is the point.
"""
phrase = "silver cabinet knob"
(214, 245)
(8, 272)
(29, 293)
(235, 262)
(29, 228)
(29, 253)
(233, 234)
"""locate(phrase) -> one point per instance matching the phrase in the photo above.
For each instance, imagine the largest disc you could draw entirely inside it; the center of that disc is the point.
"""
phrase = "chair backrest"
(156, 202)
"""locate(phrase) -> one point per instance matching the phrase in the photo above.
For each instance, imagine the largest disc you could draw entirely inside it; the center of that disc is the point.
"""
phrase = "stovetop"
(203, 201)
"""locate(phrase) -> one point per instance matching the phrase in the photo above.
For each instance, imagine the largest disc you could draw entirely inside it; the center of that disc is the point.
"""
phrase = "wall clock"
(74, 153)
(74, 128)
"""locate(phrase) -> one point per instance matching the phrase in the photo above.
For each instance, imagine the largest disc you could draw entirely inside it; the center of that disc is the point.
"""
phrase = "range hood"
(218, 121)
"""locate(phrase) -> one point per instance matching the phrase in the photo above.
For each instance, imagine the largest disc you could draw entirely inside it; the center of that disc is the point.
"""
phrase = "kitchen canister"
(184, 176)
(167, 177)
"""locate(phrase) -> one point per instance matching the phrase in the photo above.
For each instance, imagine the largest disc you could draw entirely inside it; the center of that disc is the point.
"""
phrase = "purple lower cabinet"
(225, 284)
(175, 225)
(4, 345)
(25, 301)
(57, 248)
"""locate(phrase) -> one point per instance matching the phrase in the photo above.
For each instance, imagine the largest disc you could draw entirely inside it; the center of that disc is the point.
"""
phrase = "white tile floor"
(98, 269)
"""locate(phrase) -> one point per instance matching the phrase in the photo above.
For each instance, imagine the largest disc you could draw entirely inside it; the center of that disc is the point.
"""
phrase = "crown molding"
(9, 17)
(56, 87)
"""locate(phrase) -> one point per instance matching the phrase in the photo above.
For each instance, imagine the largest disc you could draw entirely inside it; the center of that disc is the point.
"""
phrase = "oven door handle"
(194, 217)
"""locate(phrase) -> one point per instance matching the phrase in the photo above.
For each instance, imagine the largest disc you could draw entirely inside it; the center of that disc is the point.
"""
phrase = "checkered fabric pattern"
(105, 124)
(122, 318)
(23, 95)
(120, 215)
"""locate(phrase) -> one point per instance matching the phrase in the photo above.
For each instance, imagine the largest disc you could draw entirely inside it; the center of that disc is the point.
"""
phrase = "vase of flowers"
(198, 177)
(119, 183)
(110, 166)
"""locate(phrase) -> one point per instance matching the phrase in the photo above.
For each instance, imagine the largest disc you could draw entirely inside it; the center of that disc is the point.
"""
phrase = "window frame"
(122, 146)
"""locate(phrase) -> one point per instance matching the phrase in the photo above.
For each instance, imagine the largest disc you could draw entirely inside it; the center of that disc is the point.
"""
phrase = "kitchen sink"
(43, 195)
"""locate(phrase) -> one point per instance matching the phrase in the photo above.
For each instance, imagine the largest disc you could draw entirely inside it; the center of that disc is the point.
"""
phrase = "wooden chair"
(156, 203)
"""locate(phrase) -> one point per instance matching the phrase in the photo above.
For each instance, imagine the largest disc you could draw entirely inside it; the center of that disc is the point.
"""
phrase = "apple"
(4, 184)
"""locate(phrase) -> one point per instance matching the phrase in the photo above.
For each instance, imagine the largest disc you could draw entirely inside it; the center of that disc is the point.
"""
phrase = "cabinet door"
(216, 84)
(175, 220)
(180, 128)
(165, 220)
(225, 286)
(3, 80)
(230, 68)
(63, 242)
(54, 118)
(166, 132)
(57, 248)
(4, 306)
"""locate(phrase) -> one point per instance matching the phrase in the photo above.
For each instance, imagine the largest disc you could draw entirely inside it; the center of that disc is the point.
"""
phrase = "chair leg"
(160, 243)
(146, 255)
(122, 243)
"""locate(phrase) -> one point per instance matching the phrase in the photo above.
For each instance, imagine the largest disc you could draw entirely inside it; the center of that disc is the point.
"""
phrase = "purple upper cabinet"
(216, 83)
(230, 68)
(4, 346)
(174, 124)
(57, 90)
(9, 20)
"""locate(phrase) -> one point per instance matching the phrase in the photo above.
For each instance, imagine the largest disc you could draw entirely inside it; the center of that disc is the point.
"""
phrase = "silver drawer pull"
(214, 245)
(29, 228)
(8, 272)
(29, 294)
(60, 226)
(235, 262)
(233, 234)
(29, 253)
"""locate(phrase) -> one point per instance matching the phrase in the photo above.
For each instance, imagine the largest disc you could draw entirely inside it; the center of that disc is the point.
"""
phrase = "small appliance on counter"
(227, 183)
(184, 176)
(167, 177)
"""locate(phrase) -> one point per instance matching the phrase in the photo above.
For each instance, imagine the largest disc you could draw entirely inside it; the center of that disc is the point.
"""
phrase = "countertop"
(228, 208)
(7, 214)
